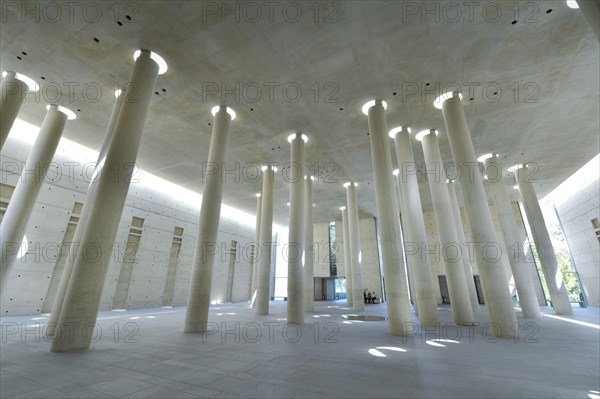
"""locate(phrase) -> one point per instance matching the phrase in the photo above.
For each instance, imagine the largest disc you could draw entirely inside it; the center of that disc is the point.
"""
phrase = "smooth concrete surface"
(462, 241)
(143, 354)
(255, 258)
(210, 213)
(518, 262)
(591, 11)
(265, 243)
(309, 244)
(12, 94)
(543, 243)
(295, 253)
(493, 279)
(358, 287)
(83, 219)
(396, 286)
(84, 292)
(414, 229)
(347, 256)
(451, 251)
(25, 195)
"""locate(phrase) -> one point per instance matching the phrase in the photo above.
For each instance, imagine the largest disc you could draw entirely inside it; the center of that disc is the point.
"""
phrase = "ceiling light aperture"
(31, 84)
(446, 96)
(425, 132)
(70, 114)
(397, 130)
(572, 4)
(293, 136)
(369, 104)
(216, 109)
(160, 61)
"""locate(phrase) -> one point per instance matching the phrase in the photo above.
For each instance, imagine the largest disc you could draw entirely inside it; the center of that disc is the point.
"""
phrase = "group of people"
(370, 297)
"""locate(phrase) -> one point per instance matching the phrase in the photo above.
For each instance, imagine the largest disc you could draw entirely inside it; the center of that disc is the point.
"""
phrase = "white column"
(414, 227)
(196, 315)
(254, 265)
(591, 12)
(83, 218)
(458, 291)
(14, 88)
(516, 256)
(295, 291)
(396, 286)
(82, 300)
(347, 256)
(309, 279)
(23, 199)
(358, 287)
(497, 296)
(543, 244)
(265, 242)
(460, 233)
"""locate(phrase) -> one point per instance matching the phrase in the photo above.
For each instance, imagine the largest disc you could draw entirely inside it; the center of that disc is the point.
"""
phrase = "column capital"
(451, 95)
(399, 129)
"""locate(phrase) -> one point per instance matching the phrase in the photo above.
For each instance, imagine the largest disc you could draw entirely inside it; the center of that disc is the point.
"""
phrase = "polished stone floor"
(144, 354)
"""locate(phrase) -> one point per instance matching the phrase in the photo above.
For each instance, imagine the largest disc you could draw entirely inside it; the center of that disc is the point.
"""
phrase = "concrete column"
(14, 88)
(414, 231)
(265, 242)
(196, 315)
(591, 11)
(396, 287)
(82, 300)
(358, 287)
(458, 291)
(347, 256)
(65, 278)
(309, 275)
(518, 263)
(295, 291)
(23, 199)
(541, 237)
(255, 260)
(460, 234)
(497, 296)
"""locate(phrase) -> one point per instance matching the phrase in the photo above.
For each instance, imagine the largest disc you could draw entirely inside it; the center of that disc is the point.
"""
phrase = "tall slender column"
(23, 199)
(519, 265)
(196, 315)
(355, 255)
(543, 244)
(295, 291)
(497, 296)
(462, 312)
(396, 287)
(83, 218)
(414, 227)
(460, 234)
(591, 12)
(265, 242)
(347, 256)
(14, 88)
(82, 299)
(255, 260)
(309, 279)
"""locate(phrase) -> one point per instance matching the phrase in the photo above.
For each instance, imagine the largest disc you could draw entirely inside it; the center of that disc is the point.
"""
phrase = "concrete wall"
(162, 209)
(369, 254)
(577, 202)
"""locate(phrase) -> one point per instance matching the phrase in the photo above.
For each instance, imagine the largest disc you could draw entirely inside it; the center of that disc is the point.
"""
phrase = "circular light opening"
(396, 172)
(216, 109)
(485, 156)
(263, 168)
(440, 100)
(365, 108)
(118, 93)
(311, 178)
(425, 132)
(258, 195)
(572, 4)
(162, 64)
(31, 84)
(342, 208)
(515, 167)
(70, 114)
(293, 136)
(397, 130)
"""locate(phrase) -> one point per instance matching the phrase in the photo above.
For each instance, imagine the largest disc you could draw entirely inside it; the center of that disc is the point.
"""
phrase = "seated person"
(365, 296)
(369, 298)
(374, 297)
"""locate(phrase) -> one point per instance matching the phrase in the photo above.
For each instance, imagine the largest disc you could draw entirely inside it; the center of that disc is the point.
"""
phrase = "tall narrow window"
(167, 296)
(63, 256)
(332, 250)
(6, 192)
(231, 270)
(129, 259)
(596, 225)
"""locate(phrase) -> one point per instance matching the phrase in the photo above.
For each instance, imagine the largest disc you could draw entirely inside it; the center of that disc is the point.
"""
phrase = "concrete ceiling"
(545, 66)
